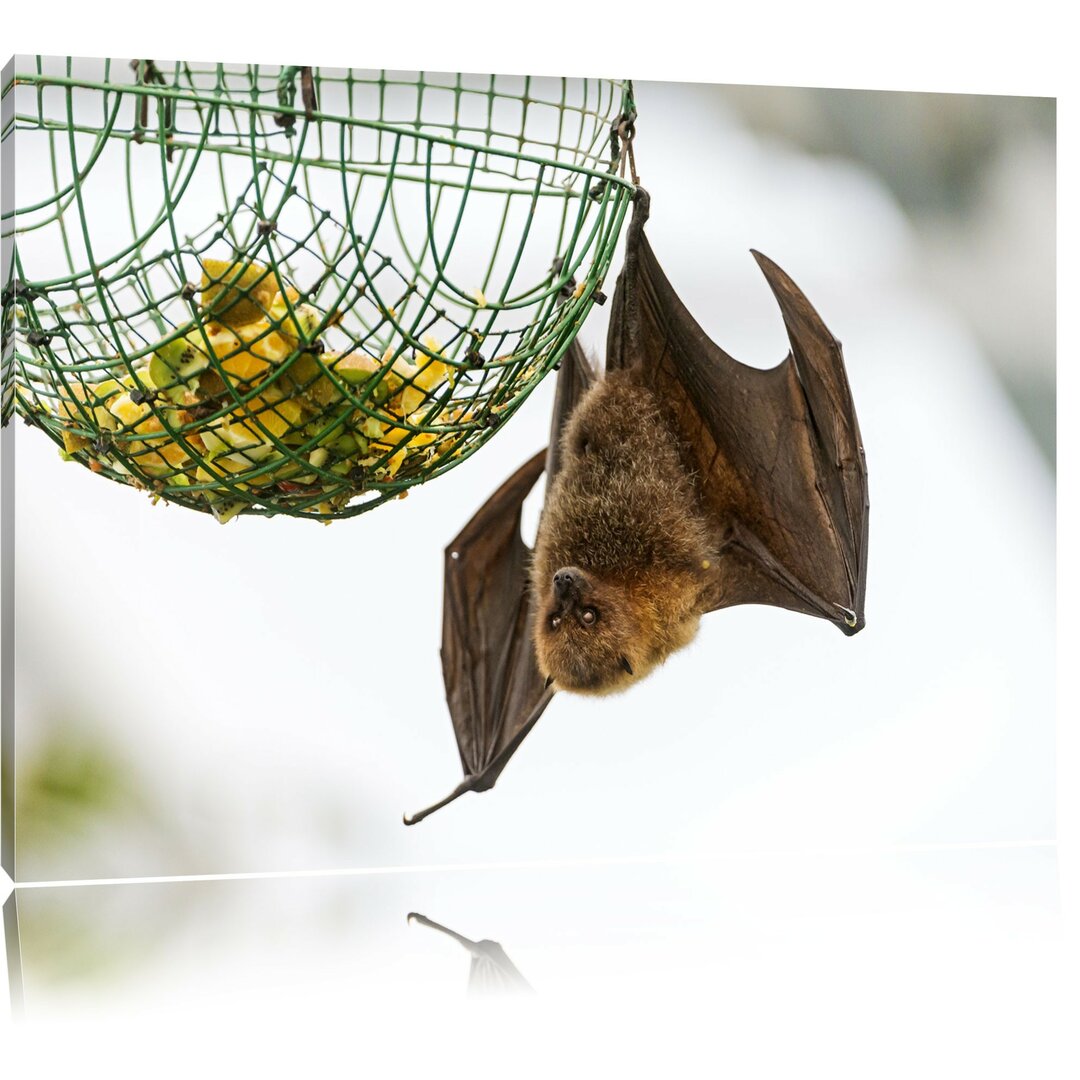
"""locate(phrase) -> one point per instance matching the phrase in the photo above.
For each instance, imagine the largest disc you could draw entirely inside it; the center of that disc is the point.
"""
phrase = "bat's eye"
(588, 616)
(554, 622)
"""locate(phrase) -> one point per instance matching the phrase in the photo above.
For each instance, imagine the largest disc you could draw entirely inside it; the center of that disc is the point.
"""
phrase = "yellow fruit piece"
(264, 341)
(433, 371)
(410, 399)
(90, 399)
(74, 443)
(319, 389)
(395, 463)
(287, 407)
(165, 454)
(253, 427)
(175, 453)
(235, 463)
(235, 434)
(395, 433)
(230, 351)
(126, 411)
(157, 461)
(371, 428)
(247, 352)
(234, 293)
(67, 406)
(421, 377)
(260, 416)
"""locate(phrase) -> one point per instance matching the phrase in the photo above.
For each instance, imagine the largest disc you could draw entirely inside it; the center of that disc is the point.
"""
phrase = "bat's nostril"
(563, 582)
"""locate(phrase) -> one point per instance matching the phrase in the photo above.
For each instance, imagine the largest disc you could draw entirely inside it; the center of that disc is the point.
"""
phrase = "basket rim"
(301, 116)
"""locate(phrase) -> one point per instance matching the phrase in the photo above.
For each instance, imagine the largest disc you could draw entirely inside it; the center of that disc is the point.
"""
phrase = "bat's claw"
(850, 618)
(468, 784)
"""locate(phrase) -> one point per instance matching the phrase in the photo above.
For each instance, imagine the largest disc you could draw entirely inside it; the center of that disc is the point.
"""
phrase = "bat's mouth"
(593, 683)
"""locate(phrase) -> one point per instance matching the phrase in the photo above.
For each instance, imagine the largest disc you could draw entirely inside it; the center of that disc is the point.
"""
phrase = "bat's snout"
(567, 583)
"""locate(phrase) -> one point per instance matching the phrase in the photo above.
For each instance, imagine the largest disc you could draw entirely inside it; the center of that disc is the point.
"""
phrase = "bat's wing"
(777, 454)
(493, 687)
(491, 970)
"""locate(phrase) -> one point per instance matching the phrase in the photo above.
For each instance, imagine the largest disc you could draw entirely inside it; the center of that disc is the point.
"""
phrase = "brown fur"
(624, 515)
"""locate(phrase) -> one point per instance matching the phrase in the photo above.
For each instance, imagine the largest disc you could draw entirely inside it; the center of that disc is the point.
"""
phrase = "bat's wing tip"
(776, 276)
(800, 316)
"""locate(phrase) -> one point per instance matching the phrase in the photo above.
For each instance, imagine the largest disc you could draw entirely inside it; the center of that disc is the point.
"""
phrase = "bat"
(681, 483)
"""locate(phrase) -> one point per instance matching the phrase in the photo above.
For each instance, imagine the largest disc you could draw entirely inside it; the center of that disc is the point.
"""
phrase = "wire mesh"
(263, 290)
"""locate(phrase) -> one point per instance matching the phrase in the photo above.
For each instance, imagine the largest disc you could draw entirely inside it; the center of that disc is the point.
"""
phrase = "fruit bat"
(681, 483)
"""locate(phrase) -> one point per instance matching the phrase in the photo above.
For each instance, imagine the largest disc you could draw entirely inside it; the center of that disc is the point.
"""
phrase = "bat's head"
(599, 637)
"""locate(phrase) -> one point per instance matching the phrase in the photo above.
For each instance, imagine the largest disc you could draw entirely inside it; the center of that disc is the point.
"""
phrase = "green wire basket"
(290, 290)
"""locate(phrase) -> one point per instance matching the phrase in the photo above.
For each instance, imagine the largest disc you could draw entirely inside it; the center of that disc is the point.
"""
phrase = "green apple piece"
(215, 447)
(348, 444)
(371, 428)
(357, 369)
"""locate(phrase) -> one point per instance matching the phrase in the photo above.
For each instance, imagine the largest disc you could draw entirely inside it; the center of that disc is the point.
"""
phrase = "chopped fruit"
(247, 405)
(235, 293)
(299, 324)
(74, 443)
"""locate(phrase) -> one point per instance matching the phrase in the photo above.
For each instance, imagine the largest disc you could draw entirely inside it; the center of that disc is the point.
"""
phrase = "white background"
(927, 49)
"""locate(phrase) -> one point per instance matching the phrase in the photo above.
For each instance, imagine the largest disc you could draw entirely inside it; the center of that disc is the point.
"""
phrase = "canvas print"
(378, 438)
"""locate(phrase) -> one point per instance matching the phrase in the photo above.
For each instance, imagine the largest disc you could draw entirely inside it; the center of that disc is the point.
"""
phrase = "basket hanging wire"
(287, 290)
